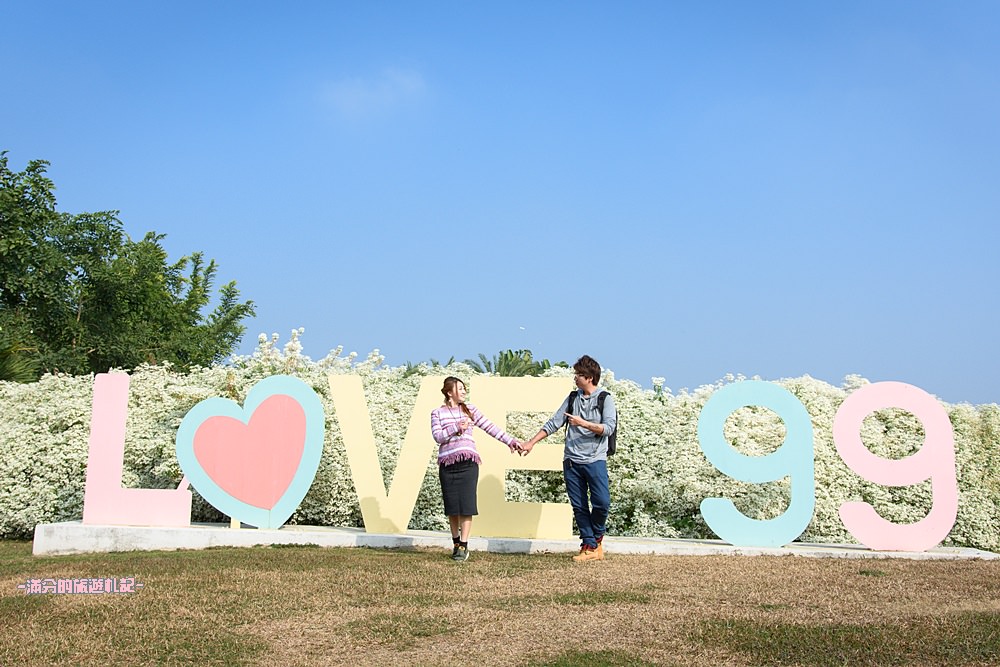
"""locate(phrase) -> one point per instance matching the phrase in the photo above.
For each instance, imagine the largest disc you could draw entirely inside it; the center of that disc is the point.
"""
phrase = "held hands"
(525, 447)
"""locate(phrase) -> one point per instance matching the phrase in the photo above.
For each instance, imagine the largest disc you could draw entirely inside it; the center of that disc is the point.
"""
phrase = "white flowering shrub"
(659, 475)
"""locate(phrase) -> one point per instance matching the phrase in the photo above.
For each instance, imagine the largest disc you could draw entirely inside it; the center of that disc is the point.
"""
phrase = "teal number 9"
(793, 459)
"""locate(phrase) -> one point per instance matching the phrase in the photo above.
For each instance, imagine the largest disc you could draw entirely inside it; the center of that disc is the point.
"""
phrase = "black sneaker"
(461, 554)
(454, 552)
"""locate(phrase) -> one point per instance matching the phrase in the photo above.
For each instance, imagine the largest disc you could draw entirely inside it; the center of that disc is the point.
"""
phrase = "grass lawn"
(338, 606)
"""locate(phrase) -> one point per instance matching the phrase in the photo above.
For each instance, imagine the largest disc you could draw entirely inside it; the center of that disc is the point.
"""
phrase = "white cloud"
(357, 97)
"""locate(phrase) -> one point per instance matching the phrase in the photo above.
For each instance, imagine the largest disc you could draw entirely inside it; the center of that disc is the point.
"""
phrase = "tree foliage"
(81, 296)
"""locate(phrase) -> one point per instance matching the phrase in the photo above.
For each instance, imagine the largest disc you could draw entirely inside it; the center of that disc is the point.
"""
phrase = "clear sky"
(680, 189)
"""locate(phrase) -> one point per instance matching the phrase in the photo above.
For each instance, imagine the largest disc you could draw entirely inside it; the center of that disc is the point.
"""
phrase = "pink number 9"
(934, 461)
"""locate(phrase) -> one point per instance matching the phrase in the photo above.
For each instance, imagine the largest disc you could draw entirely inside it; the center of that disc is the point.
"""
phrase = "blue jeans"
(587, 488)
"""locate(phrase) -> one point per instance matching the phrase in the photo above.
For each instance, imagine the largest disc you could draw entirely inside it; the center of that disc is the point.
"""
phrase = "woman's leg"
(462, 547)
(466, 523)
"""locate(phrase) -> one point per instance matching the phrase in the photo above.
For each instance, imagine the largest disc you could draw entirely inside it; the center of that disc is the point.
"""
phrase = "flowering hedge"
(659, 475)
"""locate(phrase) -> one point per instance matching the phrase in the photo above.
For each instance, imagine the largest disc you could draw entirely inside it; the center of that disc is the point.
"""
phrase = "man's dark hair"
(589, 368)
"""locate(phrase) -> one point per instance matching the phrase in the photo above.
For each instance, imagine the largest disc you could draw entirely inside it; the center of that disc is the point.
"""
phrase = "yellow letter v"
(385, 512)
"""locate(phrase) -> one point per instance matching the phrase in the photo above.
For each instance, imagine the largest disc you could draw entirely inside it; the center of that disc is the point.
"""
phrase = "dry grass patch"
(960, 639)
(319, 606)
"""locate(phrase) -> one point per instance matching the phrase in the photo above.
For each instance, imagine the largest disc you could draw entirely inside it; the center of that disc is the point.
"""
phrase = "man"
(585, 459)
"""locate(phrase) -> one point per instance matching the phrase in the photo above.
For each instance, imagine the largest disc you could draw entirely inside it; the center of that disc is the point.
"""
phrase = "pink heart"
(254, 462)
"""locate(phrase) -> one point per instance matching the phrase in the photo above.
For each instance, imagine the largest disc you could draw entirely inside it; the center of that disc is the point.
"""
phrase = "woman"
(458, 460)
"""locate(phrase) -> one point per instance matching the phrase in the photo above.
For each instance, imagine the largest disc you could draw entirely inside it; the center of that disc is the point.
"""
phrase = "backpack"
(613, 438)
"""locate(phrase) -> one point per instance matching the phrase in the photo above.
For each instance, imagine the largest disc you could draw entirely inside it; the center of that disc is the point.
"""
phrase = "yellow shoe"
(589, 553)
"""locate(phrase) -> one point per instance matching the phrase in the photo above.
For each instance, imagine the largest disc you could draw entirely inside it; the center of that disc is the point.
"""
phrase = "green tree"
(85, 297)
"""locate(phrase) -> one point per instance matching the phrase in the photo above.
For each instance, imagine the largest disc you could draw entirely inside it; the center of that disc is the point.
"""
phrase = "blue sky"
(681, 190)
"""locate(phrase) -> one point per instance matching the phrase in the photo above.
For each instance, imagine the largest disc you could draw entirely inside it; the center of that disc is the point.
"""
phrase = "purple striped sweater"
(454, 446)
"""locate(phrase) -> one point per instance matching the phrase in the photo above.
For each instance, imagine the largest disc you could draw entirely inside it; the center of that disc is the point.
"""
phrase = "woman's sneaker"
(461, 554)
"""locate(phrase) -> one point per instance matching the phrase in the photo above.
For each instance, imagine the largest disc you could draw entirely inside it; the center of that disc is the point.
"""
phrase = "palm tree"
(511, 363)
(15, 365)
(422, 367)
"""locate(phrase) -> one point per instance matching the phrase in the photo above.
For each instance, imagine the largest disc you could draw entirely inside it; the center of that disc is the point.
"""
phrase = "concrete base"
(72, 537)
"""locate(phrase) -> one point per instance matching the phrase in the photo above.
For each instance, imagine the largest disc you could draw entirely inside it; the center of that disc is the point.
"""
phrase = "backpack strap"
(569, 404)
(613, 436)
(600, 402)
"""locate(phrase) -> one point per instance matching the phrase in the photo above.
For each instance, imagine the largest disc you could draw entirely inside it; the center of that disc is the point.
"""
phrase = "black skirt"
(458, 488)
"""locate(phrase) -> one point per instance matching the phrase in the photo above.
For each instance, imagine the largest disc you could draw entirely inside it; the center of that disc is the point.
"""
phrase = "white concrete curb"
(72, 537)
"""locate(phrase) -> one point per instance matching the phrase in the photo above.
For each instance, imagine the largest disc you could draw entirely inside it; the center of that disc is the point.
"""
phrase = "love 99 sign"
(935, 461)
